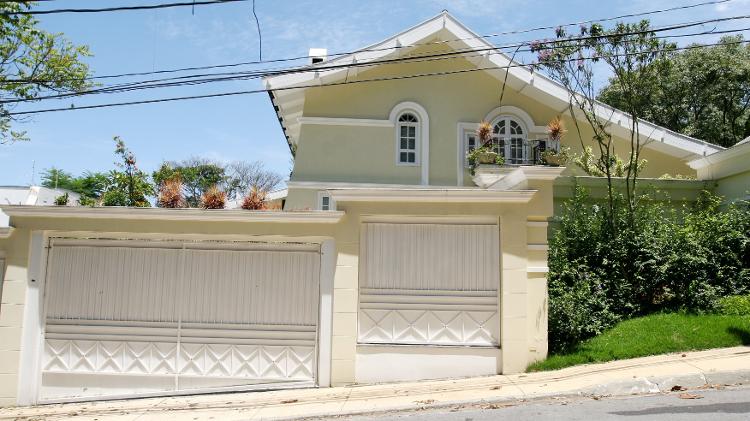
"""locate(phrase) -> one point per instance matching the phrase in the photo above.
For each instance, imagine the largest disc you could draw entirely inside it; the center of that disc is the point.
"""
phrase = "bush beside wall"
(662, 260)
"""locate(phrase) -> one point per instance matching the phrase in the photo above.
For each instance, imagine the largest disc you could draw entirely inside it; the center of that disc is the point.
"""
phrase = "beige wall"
(367, 154)
(11, 312)
(734, 187)
(522, 293)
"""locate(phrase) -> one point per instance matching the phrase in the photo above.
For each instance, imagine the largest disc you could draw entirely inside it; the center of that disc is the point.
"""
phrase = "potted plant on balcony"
(555, 155)
(485, 153)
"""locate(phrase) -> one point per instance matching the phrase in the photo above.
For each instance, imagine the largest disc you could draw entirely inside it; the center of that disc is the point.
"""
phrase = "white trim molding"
(424, 134)
(330, 217)
(6, 232)
(509, 110)
(445, 195)
(335, 121)
(537, 269)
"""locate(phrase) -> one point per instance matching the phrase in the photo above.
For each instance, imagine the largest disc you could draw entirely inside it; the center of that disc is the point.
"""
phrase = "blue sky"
(245, 127)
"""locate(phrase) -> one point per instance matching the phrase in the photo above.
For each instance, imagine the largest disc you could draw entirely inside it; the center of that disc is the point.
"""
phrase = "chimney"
(318, 55)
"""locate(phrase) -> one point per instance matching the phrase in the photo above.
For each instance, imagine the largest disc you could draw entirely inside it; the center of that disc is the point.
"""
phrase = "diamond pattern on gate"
(213, 360)
(432, 327)
(77, 356)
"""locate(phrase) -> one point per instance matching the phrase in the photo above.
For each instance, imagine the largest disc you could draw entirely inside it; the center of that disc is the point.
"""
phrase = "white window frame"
(423, 144)
(507, 137)
(417, 139)
(468, 135)
(331, 202)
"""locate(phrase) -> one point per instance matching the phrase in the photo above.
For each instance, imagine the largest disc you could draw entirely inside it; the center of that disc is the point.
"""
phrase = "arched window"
(408, 136)
(509, 140)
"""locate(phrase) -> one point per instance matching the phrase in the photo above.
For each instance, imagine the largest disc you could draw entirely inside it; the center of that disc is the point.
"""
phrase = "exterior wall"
(367, 153)
(301, 199)
(734, 187)
(11, 312)
(522, 294)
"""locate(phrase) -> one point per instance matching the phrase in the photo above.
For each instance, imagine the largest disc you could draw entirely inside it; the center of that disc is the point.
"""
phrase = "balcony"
(524, 160)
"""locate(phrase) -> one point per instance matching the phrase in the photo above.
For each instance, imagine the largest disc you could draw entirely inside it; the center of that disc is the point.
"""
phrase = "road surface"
(728, 404)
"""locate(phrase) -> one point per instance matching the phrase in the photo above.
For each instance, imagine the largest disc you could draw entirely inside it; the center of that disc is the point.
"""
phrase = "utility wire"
(231, 76)
(288, 59)
(260, 37)
(349, 82)
(119, 8)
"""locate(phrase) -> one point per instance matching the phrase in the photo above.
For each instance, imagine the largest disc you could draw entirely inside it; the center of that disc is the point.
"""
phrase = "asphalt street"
(731, 404)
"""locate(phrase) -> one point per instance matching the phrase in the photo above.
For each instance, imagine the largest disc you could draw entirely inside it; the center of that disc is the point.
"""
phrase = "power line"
(382, 79)
(339, 54)
(120, 8)
(232, 76)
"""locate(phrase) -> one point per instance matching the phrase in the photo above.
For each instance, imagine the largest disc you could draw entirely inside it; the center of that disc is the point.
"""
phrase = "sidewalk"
(642, 375)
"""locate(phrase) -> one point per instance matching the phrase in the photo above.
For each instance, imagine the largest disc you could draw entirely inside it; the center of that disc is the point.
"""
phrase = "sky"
(245, 127)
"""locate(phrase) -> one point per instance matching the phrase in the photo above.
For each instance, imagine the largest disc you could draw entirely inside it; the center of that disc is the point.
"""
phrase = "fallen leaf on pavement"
(290, 401)
(425, 402)
(496, 387)
(677, 388)
(689, 396)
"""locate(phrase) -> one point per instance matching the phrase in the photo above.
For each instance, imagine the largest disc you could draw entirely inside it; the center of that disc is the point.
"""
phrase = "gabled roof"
(289, 102)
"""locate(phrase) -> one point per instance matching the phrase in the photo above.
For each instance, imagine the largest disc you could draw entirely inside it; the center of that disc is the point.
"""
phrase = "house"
(729, 169)
(32, 196)
(390, 262)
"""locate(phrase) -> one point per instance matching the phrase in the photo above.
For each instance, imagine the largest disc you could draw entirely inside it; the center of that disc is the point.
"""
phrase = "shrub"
(255, 200)
(734, 305)
(606, 268)
(62, 200)
(115, 198)
(213, 198)
(170, 193)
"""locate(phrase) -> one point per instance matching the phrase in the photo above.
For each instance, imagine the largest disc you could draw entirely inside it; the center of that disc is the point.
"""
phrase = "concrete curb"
(637, 386)
(640, 376)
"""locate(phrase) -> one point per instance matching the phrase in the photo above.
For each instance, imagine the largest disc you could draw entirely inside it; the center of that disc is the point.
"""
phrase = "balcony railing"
(528, 153)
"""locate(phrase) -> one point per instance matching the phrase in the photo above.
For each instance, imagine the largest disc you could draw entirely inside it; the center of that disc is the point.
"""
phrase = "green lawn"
(655, 334)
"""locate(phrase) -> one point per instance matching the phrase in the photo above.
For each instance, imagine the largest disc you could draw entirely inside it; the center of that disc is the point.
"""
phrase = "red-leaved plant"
(170, 194)
(255, 200)
(213, 198)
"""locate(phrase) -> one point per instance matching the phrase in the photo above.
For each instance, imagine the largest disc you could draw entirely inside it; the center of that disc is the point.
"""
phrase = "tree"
(198, 175)
(130, 186)
(32, 63)
(56, 178)
(634, 55)
(245, 177)
(700, 92)
(89, 185)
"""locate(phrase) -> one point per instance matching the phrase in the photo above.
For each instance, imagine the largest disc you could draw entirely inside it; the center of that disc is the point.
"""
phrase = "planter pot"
(555, 160)
(488, 157)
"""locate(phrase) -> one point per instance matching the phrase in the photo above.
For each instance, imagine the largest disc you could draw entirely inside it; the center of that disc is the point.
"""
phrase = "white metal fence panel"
(113, 283)
(429, 284)
(431, 257)
(126, 319)
(258, 287)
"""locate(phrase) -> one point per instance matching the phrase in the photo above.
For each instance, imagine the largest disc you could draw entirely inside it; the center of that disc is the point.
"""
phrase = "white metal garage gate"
(140, 317)
(430, 284)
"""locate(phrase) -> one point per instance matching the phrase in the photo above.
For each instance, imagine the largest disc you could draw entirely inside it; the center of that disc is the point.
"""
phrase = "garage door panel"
(257, 287)
(113, 283)
(429, 284)
(125, 319)
(431, 257)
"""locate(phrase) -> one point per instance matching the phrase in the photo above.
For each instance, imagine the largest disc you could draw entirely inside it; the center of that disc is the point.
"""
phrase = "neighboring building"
(408, 268)
(730, 169)
(274, 200)
(32, 196)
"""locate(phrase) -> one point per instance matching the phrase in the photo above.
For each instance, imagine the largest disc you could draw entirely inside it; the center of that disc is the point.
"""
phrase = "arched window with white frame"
(407, 138)
(510, 140)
